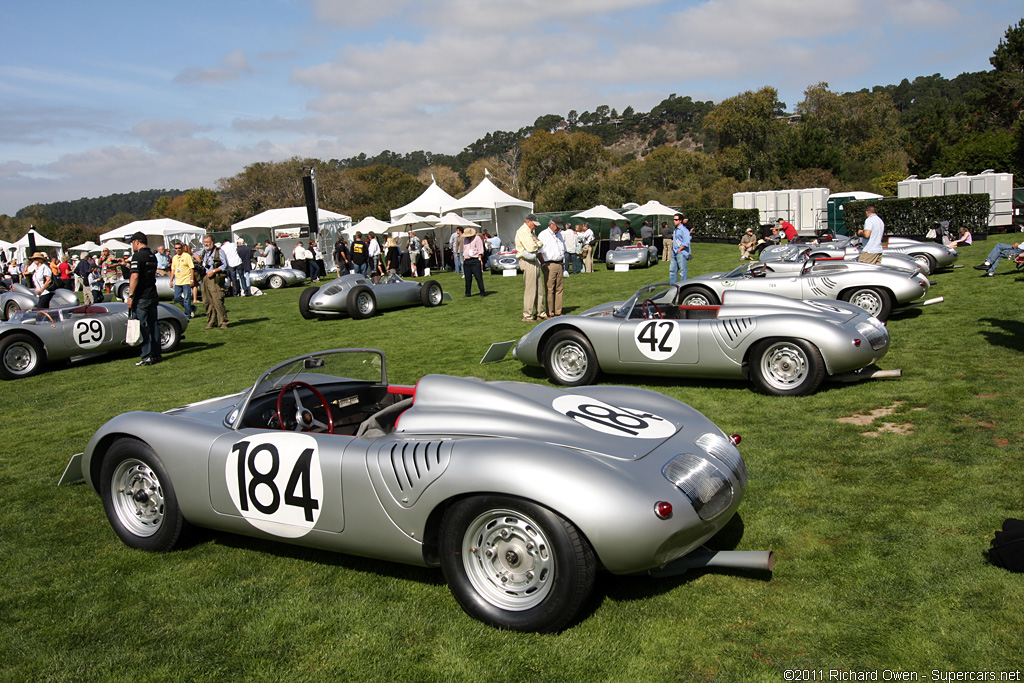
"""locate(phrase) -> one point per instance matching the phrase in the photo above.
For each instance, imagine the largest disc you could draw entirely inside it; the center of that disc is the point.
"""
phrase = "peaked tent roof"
(486, 195)
(433, 200)
(155, 226)
(39, 240)
(284, 218)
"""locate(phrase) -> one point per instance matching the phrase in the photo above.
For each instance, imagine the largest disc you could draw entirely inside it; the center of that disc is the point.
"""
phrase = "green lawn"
(879, 531)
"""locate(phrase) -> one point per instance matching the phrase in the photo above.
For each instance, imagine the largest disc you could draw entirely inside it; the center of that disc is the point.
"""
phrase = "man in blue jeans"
(680, 250)
(1000, 251)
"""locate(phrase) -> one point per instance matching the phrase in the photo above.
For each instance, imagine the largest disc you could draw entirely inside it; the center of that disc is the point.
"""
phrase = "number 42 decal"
(276, 483)
(657, 339)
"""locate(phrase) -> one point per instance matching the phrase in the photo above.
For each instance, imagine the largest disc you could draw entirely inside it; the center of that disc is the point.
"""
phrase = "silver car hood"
(458, 406)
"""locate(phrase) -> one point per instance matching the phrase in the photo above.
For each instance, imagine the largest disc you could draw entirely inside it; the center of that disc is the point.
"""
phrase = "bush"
(722, 223)
(916, 215)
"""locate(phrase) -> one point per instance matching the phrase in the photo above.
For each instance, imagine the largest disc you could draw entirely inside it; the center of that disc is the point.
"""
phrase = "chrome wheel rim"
(924, 262)
(867, 299)
(435, 294)
(12, 308)
(364, 302)
(276, 282)
(138, 497)
(784, 365)
(569, 361)
(20, 359)
(696, 299)
(508, 560)
(166, 335)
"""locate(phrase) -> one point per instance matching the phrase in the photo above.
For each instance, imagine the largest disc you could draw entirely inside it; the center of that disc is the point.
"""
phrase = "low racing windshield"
(659, 294)
(365, 365)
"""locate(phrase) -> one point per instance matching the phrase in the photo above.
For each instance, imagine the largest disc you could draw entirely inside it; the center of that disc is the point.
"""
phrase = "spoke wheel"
(874, 301)
(138, 497)
(276, 282)
(170, 335)
(431, 294)
(11, 309)
(697, 297)
(570, 359)
(787, 367)
(361, 303)
(514, 564)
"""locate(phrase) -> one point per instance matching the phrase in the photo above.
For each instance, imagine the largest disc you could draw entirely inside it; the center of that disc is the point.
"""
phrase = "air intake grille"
(409, 467)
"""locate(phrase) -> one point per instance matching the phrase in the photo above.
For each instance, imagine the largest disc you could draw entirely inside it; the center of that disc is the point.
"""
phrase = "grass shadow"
(1012, 338)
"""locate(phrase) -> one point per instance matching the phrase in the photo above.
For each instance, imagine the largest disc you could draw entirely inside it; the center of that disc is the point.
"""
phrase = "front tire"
(21, 355)
(122, 293)
(431, 294)
(514, 564)
(304, 298)
(927, 262)
(275, 282)
(698, 296)
(569, 359)
(361, 303)
(170, 335)
(138, 497)
(11, 308)
(875, 301)
(786, 367)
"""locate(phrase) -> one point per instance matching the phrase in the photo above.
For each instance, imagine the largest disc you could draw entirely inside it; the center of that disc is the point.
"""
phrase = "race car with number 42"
(323, 451)
(784, 346)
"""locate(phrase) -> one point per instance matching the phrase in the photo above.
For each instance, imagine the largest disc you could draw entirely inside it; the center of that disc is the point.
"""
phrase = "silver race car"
(784, 346)
(635, 255)
(323, 452)
(276, 278)
(930, 255)
(506, 260)
(22, 298)
(792, 257)
(876, 289)
(359, 297)
(69, 333)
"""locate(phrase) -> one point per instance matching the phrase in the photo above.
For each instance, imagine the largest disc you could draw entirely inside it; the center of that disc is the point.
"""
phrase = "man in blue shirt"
(680, 250)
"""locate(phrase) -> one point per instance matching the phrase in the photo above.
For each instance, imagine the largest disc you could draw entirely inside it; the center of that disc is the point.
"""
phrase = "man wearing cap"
(143, 299)
(677, 266)
(42, 277)
(183, 268)
(747, 244)
(472, 260)
(527, 249)
(552, 252)
(214, 265)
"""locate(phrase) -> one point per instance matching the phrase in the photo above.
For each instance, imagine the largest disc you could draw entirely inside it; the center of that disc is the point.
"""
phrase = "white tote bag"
(133, 337)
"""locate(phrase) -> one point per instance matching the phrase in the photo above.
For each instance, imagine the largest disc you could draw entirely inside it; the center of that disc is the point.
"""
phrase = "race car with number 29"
(323, 451)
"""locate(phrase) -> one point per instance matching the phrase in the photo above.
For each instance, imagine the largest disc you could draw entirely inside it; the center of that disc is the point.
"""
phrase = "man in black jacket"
(143, 299)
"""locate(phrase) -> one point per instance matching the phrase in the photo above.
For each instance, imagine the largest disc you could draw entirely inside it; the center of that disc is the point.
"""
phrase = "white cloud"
(233, 66)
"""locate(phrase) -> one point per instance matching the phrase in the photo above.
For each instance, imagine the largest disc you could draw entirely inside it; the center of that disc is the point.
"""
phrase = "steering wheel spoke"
(304, 419)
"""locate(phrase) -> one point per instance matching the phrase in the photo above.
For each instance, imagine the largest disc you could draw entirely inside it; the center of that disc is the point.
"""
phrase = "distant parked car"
(359, 297)
(634, 255)
(21, 298)
(506, 260)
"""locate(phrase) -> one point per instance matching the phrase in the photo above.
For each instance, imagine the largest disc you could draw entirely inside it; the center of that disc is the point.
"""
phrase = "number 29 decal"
(657, 339)
(88, 333)
(276, 483)
(609, 419)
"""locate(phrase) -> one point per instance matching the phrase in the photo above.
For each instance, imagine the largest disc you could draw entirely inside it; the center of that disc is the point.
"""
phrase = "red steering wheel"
(654, 306)
(304, 420)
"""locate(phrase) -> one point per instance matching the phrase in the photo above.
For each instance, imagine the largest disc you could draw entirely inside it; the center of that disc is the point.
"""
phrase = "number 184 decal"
(609, 419)
(275, 482)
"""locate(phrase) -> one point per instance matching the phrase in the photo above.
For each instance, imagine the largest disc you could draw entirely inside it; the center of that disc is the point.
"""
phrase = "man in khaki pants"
(527, 248)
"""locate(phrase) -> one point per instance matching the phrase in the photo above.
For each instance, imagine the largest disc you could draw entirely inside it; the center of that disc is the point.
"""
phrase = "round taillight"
(735, 438)
(856, 342)
(663, 509)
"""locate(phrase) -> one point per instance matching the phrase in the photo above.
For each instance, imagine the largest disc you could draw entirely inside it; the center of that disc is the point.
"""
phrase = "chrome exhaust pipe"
(860, 375)
(763, 560)
(929, 302)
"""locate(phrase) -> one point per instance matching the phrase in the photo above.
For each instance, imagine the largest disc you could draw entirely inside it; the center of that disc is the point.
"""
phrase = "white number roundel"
(657, 339)
(275, 482)
(610, 419)
(88, 333)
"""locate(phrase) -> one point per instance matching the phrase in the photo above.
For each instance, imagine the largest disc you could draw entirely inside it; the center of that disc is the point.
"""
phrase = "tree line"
(682, 152)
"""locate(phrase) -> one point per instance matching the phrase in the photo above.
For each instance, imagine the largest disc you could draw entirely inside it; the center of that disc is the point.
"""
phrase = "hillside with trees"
(682, 152)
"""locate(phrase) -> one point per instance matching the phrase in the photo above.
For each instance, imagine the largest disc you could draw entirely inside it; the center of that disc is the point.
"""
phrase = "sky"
(122, 96)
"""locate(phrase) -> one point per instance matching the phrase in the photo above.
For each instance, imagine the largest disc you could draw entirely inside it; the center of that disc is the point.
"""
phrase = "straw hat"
(41, 256)
(469, 232)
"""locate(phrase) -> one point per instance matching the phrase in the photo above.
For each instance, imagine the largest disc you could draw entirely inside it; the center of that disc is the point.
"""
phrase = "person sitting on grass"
(1000, 251)
(965, 239)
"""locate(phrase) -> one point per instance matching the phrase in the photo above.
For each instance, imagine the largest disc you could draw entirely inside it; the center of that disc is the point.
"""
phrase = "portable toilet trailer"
(836, 214)
(811, 214)
(999, 187)
(909, 188)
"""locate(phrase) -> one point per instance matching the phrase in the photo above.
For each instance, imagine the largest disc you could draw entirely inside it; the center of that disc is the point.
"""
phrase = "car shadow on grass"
(1011, 338)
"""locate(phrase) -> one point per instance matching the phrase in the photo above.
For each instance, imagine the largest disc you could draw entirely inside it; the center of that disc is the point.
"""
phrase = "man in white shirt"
(373, 254)
(572, 256)
(230, 252)
(552, 251)
(585, 242)
(873, 230)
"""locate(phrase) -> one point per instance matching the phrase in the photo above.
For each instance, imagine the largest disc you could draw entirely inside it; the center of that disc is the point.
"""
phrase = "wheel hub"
(507, 560)
(140, 501)
(785, 365)
(17, 359)
(571, 361)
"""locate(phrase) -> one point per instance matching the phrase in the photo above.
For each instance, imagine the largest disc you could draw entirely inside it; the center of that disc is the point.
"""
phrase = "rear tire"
(698, 296)
(361, 303)
(431, 294)
(569, 359)
(170, 335)
(21, 355)
(786, 367)
(304, 298)
(11, 308)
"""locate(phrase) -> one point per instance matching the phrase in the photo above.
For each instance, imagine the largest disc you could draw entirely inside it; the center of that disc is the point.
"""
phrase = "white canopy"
(371, 224)
(495, 210)
(114, 245)
(601, 211)
(454, 220)
(283, 226)
(166, 230)
(652, 208)
(88, 247)
(433, 200)
(410, 221)
(21, 246)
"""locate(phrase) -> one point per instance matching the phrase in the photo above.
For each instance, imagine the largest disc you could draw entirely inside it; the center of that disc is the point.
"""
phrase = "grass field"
(879, 529)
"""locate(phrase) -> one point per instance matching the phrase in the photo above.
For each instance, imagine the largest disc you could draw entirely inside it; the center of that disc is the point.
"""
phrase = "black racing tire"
(21, 355)
(304, 298)
(361, 303)
(548, 565)
(431, 293)
(169, 334)
(874, 300)
(275, 282)
(10, 309)
(139, 498)
(786, 367)
(122, 292)
(927, 261)
(698, 296)
(569, 359)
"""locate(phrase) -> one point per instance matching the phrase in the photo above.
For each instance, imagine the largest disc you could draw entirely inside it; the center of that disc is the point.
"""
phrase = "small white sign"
(509, 273)
(621, 267)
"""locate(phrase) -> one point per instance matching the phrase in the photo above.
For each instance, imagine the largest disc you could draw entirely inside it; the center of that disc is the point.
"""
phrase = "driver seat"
(383, 421)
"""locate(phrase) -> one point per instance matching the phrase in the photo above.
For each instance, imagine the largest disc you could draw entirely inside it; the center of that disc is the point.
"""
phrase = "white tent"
(370, 224)
(652, 208)
(114, 245)
(285, 226)
(86, 247)
(495, 210)
(433, 200)
(601, 211)
(21, 246)
(165, 230)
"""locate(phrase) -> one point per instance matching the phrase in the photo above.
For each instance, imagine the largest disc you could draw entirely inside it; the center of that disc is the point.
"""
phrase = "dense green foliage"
(879, 528)
(915, 216)
(723, 223)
